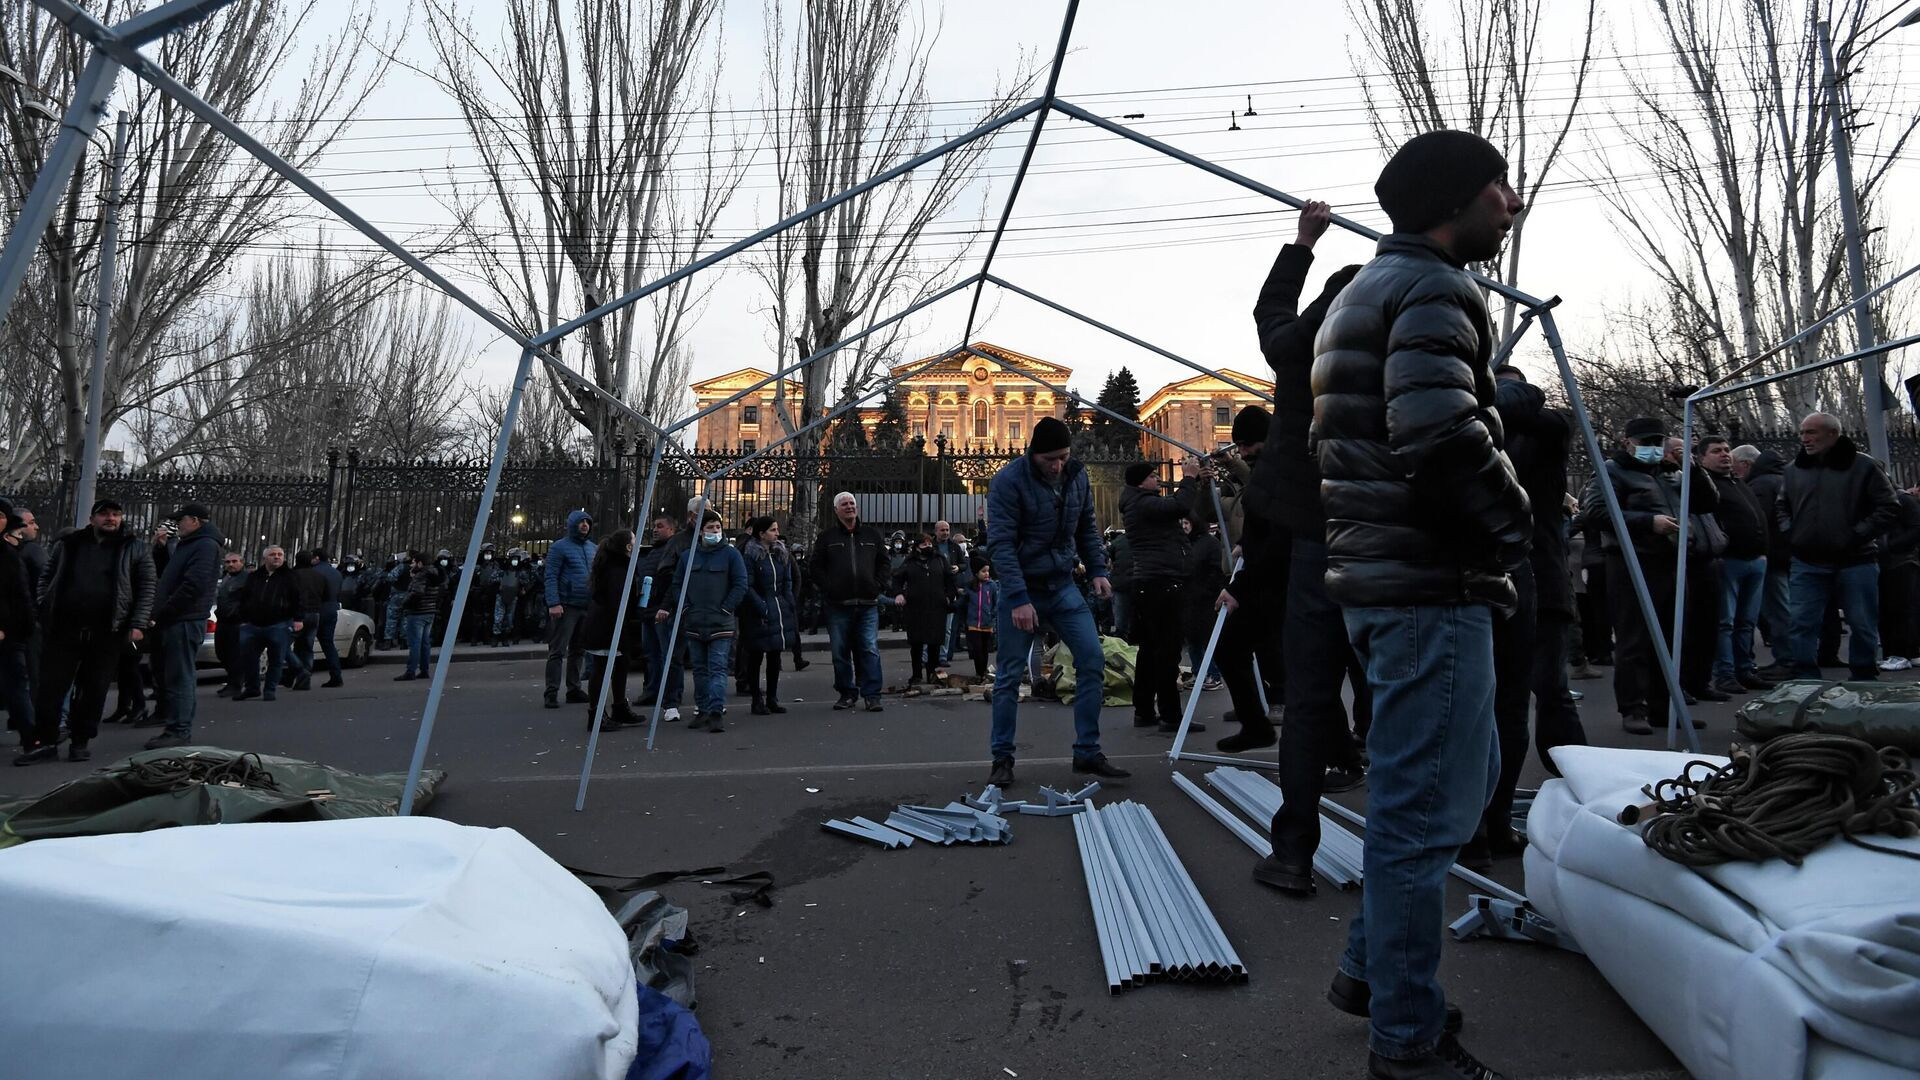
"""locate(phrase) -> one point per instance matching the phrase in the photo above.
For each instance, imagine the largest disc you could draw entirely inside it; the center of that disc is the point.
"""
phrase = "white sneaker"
(671, 716)
(1895, 663)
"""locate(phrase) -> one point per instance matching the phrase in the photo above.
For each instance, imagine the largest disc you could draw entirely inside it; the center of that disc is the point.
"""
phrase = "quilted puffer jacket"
(1422, 504)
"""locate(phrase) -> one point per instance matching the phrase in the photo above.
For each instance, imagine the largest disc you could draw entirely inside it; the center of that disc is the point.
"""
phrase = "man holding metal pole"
(1426, 522)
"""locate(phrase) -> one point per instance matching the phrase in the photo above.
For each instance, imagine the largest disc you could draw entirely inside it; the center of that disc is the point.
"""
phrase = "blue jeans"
(1856, 589)
(1435, 765)
(854, 631)
(712, 663)
(1065, 610)
(275, 640)
(664, 679)
(418, 631)
(1742, 585)
(179, 650)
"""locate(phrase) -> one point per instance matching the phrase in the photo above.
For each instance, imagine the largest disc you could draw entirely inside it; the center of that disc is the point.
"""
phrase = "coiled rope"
(1782, 799)
(179, 773)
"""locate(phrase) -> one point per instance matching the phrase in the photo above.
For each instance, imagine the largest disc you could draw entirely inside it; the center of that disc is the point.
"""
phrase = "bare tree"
(1724, 190)
(1492, 84)
(846, 98)
(317, 354)
(577, 117)
(193, 203)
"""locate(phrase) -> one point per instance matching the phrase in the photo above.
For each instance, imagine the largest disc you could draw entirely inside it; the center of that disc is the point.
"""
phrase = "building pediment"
(735, 381)
(963, 366)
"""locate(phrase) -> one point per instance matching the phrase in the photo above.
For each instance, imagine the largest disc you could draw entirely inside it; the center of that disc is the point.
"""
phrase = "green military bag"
(1880, 713)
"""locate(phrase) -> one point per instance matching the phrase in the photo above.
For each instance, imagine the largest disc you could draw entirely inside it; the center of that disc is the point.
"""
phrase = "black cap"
(1434, 176)
(1251, 425)
(1641, 427)
(192, 510)
(1049, 435)
(105, 504)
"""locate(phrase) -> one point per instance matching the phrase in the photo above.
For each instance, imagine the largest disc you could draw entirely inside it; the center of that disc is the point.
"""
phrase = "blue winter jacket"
(1035, 535)
(187, 586)
(715, 593)
(568, 562)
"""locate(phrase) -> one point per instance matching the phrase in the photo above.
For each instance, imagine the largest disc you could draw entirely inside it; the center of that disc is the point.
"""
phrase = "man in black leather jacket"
(1425, 523)
(1835, 505)
(95, 600)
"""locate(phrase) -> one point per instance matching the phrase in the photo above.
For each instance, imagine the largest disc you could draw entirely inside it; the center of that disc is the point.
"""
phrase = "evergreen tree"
(1121, 394)
(890, 434)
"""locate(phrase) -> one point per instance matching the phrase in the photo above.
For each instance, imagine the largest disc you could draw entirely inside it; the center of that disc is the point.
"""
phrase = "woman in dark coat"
(605, 578)
(923, 589)
(775, 626)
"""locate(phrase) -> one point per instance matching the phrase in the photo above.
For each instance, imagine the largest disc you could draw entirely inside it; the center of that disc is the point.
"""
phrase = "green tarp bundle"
(1881, 713)
(204, 785)
(1120, 658)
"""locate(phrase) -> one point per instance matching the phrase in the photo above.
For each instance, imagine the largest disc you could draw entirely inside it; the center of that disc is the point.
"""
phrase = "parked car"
(352, 636)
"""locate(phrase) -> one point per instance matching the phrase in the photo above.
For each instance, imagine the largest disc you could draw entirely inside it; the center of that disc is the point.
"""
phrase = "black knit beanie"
(1251, 425)
(1434, 176)
(1137, 472)
(1049, 435)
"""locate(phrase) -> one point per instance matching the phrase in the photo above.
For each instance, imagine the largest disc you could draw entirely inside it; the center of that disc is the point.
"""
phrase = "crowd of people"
(101, 608)
(1400, 524)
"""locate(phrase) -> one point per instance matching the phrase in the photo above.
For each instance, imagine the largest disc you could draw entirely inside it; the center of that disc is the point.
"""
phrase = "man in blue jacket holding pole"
(567, 593)
(1039, 523)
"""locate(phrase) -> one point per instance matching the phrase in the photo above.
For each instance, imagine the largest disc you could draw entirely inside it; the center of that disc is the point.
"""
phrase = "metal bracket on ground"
(1496, 917)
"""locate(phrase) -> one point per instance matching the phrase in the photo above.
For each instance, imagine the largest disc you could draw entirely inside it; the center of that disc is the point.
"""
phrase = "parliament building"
(979, 405)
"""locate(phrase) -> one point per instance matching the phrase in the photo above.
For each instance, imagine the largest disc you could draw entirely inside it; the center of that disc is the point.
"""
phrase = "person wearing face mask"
(450, 570)
(477, 624)
(923, 589)
(1647, 486)
(717, 588)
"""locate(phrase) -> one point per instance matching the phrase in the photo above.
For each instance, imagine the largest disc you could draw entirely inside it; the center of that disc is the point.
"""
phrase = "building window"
(1223, 416)
(1016, 433)
(946, 432)
(979, 418)
(749, 445)
(750, 416)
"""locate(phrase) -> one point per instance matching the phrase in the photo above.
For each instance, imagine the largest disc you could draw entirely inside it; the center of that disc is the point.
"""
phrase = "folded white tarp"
(371, 949)
(1747, 971)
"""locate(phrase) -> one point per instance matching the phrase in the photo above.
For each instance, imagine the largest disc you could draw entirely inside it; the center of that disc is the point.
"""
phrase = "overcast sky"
(1155, 247)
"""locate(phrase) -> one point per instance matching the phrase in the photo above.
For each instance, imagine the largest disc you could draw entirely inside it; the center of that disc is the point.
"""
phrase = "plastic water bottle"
(646, 589)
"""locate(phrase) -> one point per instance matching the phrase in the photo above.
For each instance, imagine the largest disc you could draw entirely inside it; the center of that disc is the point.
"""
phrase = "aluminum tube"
(1129, 338)
(1148, 868)
(1240, 829)
(1135, 944)
(1176, 951)
(1224, 759)
(1200, 676)
(934, 154)
(1099, 917)
(1026, 158)
(1479, 881)
(1678, 642)
(1184, 919)
(1805, 369)
(1208, 924)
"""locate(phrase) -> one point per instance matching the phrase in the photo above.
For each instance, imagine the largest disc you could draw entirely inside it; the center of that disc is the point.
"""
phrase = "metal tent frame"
(1726, 385)
(117, 46)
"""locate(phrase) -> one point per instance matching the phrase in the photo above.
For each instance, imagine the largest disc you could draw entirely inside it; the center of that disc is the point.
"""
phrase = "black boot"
(716, 723)
(760, 704)
(1002, 774)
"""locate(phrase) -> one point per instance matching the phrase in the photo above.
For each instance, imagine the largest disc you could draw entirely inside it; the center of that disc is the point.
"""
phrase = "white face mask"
(1648, 455)
(712, 539)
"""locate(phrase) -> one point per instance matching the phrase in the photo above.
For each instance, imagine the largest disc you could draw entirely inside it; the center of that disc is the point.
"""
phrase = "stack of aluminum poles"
(1341, 855)
(1148, 914)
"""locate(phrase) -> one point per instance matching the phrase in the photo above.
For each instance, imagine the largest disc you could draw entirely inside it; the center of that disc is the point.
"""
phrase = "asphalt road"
(926, 962)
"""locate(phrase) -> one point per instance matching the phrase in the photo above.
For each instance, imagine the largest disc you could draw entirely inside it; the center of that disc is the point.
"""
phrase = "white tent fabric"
(1754, 971)
(369, 949)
